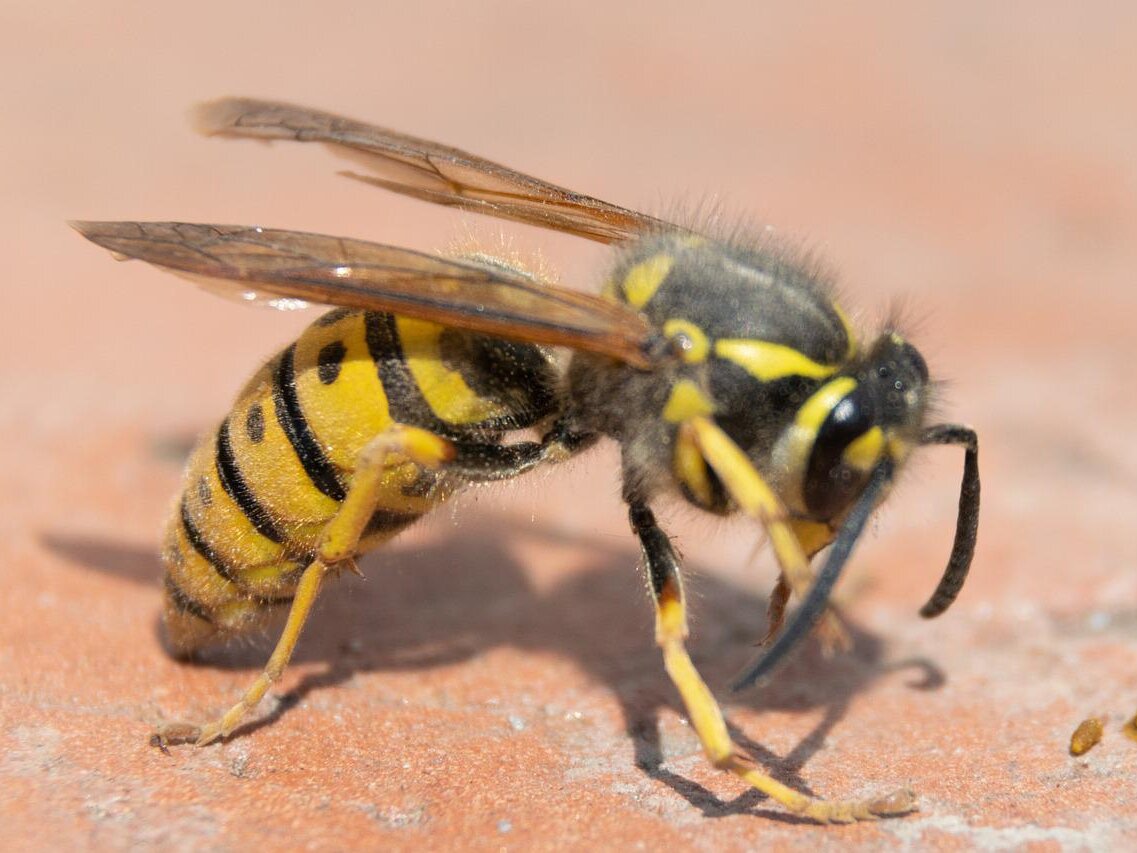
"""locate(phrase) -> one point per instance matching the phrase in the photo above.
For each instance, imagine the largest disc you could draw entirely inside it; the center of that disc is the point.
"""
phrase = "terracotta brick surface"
(492, 684)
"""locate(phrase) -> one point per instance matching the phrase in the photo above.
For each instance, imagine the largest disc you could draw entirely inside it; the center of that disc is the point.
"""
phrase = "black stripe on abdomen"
(184, 603)
(235, 486)
(198, 543)
(295, 425)
(405, 401)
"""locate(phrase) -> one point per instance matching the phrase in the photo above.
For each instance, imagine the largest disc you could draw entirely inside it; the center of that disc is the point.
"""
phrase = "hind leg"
(337, 547)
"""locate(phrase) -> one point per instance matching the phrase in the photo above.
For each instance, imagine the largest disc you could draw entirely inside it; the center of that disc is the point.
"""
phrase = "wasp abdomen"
(259, 490)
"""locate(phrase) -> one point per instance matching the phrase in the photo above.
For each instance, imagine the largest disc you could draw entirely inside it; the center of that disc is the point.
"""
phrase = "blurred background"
(971, 163)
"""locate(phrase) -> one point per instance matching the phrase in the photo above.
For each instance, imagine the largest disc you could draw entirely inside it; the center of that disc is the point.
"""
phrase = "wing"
(429, 171)
(358, 274)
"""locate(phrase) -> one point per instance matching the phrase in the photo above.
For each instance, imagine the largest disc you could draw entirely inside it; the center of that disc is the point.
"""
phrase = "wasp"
(724, 369)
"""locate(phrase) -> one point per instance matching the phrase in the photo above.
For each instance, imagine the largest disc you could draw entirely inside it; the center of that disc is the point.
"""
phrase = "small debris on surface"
(1086, 736)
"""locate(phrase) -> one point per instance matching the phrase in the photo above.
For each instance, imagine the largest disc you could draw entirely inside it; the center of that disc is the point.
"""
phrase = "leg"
(704, 713)
(753, 496)
(831, 634)
(776, 610)
(335, 550)
(484, 463)
(814, 536)
(794, 541)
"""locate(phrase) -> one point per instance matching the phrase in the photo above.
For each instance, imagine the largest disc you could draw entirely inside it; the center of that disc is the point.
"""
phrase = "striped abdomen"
(260, 489)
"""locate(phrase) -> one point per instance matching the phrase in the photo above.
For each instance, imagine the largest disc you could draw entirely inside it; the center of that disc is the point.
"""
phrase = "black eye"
(829, 485)
(848, 419)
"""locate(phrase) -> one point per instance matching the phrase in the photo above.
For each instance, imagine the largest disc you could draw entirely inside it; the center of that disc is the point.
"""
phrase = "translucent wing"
(429, 171)
(358, 274)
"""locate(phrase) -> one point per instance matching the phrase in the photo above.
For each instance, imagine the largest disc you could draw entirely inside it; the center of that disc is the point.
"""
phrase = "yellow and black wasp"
(725, 371)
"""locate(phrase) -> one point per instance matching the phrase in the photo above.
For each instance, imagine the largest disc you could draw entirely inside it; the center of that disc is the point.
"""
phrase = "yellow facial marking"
(862, 453)
(817, 408)
(791, 453)
(766, 361)
(644, 279)
(695, 345)
(686, 402)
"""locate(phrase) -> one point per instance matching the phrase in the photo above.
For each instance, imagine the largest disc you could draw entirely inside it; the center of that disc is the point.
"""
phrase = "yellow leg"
(754, 497)
(702, 709)
(794, 542)
(306, 592)
(336, 549)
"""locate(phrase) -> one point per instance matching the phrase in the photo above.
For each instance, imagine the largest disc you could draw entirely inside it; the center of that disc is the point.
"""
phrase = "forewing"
(429, 171)
(358, 274)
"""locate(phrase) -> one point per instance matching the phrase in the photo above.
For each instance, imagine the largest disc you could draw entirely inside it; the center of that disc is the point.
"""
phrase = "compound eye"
(831, 483)
(852, 416)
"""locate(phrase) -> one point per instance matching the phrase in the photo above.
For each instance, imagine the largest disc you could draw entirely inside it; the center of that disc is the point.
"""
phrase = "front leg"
(795, 541)
(814, 537)
(702, 709)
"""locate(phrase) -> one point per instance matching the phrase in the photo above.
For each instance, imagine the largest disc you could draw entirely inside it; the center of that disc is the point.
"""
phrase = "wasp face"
(871, 411)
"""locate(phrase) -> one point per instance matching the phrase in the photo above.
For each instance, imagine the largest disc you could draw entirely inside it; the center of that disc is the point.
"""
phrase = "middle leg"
(702, 709)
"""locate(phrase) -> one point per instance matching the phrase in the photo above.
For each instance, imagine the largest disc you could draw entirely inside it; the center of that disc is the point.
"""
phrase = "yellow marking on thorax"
(863, 452)
(767, 361)
(444, 390)
(348, 412)
(685, 402)
(644, 279)
(696, 346)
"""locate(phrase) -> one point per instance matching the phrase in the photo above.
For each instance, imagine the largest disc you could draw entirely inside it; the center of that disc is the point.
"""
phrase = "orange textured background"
(493, 682)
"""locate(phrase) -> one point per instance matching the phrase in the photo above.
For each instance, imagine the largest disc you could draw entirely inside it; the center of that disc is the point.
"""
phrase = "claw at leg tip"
(897, 803)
